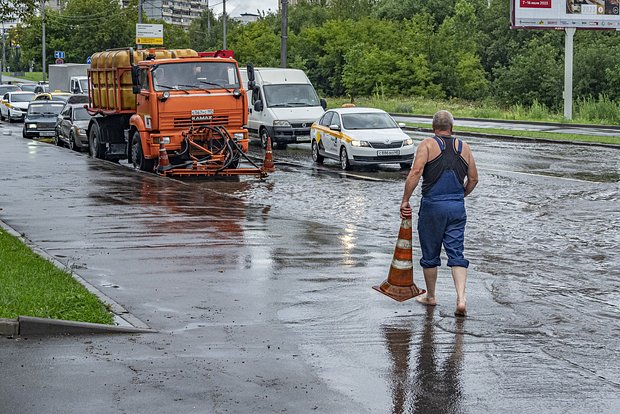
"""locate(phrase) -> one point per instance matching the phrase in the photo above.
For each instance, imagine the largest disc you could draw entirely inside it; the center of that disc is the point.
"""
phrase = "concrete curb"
(25, 325)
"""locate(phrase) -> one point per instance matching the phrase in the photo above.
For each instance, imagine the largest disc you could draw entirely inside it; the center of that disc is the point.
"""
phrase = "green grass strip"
(602, 139)
(32, 286)
(29, 76)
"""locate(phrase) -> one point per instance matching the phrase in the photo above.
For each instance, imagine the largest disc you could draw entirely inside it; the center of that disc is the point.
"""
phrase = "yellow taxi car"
(53, 96)
(360, 136)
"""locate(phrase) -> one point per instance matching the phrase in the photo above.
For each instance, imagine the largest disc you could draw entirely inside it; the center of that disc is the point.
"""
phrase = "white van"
(282, 105)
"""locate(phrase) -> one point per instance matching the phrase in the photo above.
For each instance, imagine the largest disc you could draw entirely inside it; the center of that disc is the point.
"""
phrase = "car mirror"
(334, 127)
(68, 117)
(402, 124)
(324, 104)
(258, 106)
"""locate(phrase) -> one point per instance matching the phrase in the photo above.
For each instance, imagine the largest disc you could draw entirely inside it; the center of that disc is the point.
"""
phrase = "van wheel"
(282, 145)
(405, 165)
(264, 137)
(316, 155)
(344, 159)
(137, 156)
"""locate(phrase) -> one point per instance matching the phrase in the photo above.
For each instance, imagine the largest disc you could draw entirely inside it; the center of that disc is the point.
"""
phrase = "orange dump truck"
(169, 111)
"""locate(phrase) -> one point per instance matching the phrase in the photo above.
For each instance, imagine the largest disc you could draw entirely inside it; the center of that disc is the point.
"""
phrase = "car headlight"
(238, 136)
(31, 126)
(356, 143)
(408, 141)
(281, 123)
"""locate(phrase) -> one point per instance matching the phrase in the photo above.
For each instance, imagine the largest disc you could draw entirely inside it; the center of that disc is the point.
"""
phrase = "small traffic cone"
(268, 165)
(399, 283)
(164, 162)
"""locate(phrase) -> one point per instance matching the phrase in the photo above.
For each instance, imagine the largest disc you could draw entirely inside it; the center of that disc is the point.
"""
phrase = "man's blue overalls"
(442, 216)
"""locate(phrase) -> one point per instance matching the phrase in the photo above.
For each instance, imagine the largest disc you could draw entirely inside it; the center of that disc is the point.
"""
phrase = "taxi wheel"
(316, 156)
(344, 159)
(8, 118)
(1, 116)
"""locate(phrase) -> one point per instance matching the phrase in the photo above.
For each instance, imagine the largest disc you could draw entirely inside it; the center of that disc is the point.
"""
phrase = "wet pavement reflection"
(261, 290)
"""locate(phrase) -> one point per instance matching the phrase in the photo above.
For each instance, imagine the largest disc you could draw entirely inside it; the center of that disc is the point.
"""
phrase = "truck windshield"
(195, 75)
(291, 95)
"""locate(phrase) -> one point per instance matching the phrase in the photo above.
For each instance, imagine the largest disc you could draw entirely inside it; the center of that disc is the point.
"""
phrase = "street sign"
(59, 54)
(60, 61)
(88, 61)
(149, 34)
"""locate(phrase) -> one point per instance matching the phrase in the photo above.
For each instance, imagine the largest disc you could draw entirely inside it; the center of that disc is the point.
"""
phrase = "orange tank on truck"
(159, 105)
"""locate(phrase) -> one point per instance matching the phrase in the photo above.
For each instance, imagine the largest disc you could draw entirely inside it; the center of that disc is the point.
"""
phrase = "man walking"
(448, 171)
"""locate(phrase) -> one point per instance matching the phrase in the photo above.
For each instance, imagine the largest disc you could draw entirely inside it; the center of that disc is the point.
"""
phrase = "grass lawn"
(585, 111)
(30, 76)
(32, 286)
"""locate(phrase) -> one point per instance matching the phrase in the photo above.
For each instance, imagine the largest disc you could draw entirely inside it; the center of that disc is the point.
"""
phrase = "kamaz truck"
(169, 111)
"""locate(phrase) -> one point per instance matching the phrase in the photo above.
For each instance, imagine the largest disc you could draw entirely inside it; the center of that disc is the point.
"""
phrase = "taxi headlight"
(408, 141)
(279, 123)
(238, 136)
(356, 143)
(31, 126)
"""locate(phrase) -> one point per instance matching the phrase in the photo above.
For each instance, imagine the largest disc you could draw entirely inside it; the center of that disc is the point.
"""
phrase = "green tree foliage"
(533, 75)
(82, 28)
(17, 9)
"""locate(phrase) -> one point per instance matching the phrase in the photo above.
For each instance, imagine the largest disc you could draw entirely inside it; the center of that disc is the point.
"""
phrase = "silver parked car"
(71, 127)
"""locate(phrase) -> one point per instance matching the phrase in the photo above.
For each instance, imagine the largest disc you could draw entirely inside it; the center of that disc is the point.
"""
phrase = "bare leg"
(430, 277)
(459, 275)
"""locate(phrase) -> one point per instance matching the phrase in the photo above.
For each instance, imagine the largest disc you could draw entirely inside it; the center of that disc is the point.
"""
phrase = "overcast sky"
(236, 7)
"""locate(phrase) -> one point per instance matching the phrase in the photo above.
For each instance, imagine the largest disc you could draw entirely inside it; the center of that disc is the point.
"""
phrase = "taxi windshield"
(368, 120)
(195, 75)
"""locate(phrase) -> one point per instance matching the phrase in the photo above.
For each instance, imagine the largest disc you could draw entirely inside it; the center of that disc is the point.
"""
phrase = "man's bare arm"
(472, 175)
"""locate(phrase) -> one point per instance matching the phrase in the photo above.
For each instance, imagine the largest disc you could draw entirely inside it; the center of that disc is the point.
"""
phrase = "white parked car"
(360, 136)
(14, 105)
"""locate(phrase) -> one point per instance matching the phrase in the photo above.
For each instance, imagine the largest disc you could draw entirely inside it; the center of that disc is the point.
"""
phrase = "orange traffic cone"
(268, 165)
(164, 162)
(399, 283)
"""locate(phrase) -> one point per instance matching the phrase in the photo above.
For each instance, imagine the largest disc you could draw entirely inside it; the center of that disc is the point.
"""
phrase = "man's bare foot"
(461, 309)
(425, 300)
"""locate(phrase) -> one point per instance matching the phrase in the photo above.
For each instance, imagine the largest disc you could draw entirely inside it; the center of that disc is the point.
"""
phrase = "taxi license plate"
(388, 153)
(303, 138)
(46, 133)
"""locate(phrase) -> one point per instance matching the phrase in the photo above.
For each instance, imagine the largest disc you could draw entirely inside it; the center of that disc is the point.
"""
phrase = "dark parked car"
(41, 118)
(71, 127)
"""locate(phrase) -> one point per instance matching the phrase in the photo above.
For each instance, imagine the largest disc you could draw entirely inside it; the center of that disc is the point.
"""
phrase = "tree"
(17, 9)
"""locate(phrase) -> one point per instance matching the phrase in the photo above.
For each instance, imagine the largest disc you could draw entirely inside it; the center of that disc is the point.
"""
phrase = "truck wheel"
(137, 156)
(96, 148)
(316, 156)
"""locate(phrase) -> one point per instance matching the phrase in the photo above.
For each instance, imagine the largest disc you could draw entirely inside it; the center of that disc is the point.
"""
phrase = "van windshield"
(291, 95)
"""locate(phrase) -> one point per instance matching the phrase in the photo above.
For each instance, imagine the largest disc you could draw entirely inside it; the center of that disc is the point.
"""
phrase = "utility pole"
(139, 16)
(224, 23)
(208, 20)
(284, 33)
(43, 39)
(3, 58)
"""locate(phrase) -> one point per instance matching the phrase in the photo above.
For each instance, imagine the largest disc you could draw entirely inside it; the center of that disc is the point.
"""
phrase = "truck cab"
(282, 105)
(78, 85)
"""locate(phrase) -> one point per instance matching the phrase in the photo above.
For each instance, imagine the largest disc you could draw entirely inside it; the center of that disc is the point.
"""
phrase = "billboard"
(580, 14)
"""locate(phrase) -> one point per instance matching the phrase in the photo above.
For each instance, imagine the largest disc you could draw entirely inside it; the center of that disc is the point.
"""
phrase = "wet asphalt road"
(261, 290)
